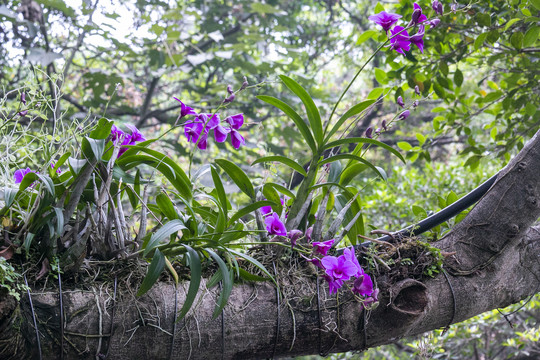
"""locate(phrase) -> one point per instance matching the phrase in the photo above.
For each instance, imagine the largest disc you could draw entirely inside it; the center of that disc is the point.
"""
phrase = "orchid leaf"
(284, 160)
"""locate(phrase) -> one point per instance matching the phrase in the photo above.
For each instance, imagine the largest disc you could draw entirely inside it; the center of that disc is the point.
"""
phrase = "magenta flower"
(417, 16)
(333, 284)
(294, 235)
(404, 115)
(339, 268)
(185, 110)
(203, 143)
(266, 210)
(116, 134)
(400, 40)
(363, 285)
(213, 120)
(19, 174)
(309, 231)
(136, 135)
(315, 261)
(220, 133)
(193, 130)
(322, 247)
(350, 255)
(437, 7)
(418, 39)
(235, 121)
(372, 299)
(274, 226)
(386, 20)
(237, 139)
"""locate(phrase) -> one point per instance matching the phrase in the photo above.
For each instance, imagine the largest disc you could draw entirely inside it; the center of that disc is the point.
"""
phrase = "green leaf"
(47, 183)
(59, 221)
(271, 194)
(250, 208)
(102, 130)
(366, 35)
(405, 146)
(244, 275)
(480, 41)
(172, 271)
(28, 241)
(378, 8)
(227, 284)
(172, 227)
(375, 93)
(222, 196)
(9, 195)
(284, 160)
(161, 162)
(195, 267)
(293, 115)
(356, 109)
(351, 157)
(311, 109)
(458, 78)
(76, 164)
(535, 3)
(282, 189)
(238, 176)
(166, 206)
(154, 270)
(361, 140)
(262, 8)
(94, 147)
(350, 172)
(531, 36)
(513, 21)
(254, 262)
(380, 76)
(517, 40)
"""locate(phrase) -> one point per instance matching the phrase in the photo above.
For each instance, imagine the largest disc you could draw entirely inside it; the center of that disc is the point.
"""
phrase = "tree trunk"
(496, 263)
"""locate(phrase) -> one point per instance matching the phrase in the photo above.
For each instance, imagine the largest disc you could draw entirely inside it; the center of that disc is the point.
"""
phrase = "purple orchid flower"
(235, 121)
(433, 22)
(322, 247)
(294, 235)
(350, 255)
(386, 20)
(274, 226)
(19, 174)
(193, 130)
(116, 134)
(339, 268)
(418, 39)
(400, 39)
(220, 133)
(333, 284)
(237, 139)
(373, 298)
(363, 285)
(136, 135)
(185, 110)
(309, 231)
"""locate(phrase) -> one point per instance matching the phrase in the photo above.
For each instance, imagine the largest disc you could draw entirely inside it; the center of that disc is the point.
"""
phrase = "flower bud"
(437, 7)
(23, 113)
(383, 125)
(404, 115)
(433, 23)
(415, 104)
(229, 89)
(416, 15)
(23, 98)
(400, 101)
(244, 84)
(369, 132)
(417, 90)
(230, 99)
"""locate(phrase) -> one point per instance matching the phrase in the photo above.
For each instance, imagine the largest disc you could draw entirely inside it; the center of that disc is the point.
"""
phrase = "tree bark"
(496, 263)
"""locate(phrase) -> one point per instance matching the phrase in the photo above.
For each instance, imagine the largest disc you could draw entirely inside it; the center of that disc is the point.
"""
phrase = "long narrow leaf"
(361, 140)
(284, 160)
(311, 109)
(355, 158)
(218, 185)
(254, 262)
(227, 284)
(248, 209)
(293, 115)
(238, 176)
(282, 189)
(163, 233)
(356, 109)
(154, 270)
(195, 281)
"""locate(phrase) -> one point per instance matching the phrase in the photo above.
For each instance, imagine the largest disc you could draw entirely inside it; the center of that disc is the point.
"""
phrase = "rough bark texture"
(497, 263)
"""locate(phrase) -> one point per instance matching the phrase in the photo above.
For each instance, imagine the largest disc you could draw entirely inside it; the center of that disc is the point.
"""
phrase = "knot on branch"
(409, 297)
